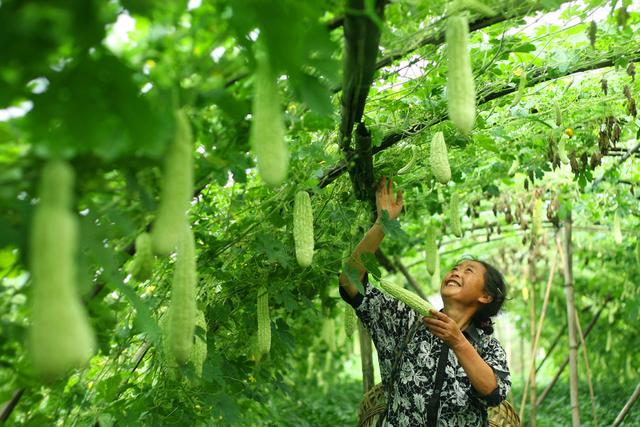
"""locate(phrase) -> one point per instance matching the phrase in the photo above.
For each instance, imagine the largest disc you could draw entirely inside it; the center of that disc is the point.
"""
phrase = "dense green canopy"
(97, 83)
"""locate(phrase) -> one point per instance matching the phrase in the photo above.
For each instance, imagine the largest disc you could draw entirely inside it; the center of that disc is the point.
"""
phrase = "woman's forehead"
(471, 263)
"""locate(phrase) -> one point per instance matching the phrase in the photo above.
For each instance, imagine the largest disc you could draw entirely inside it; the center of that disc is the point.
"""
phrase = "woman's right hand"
(385, 199)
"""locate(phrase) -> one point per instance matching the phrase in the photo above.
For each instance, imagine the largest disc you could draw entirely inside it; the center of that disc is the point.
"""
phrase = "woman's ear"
(485, 298)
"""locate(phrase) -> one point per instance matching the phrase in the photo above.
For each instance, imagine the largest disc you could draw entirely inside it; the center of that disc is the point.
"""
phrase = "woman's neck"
(460, 314)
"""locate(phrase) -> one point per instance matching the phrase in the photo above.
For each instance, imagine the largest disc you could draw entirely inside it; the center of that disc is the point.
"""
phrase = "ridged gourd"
(412, 161)
(199, 350)
(60, 336)
(181, 314)
(431, 250)
(264, 322)
(350, 320)
(303, 228)
(617, 230)
(439, 158)
(454, 214)
(141, 267)
(409, 298)
(536, 217)
(177, 188)
(461, 93)
(267, 134)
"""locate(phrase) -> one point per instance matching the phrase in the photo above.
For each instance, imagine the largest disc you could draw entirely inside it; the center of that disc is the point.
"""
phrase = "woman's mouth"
(451, 282)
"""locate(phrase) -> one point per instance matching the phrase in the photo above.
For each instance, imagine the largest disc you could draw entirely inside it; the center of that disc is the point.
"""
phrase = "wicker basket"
(374, 403)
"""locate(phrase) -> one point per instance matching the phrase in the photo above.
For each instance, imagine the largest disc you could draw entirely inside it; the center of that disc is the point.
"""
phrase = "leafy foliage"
(97, 83)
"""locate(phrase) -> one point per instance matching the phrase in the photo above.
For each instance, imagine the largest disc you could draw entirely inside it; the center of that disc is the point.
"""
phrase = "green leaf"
(353, 275)
(370, 264)
(392, 229)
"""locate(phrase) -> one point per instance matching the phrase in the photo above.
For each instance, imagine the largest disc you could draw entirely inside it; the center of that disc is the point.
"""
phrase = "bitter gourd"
(409, 298)
(141, 268)
(454, 214)
(303, 228)
(181, 314)
(264, 322)
(60, 337)
(177, 188)
(267, 135)
(439, 158)
(461, 93)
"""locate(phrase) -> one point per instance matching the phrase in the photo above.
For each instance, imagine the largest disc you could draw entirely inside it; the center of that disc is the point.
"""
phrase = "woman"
(456, 341)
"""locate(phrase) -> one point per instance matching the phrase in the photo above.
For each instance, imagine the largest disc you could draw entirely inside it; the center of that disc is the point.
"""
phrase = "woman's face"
(465, 284)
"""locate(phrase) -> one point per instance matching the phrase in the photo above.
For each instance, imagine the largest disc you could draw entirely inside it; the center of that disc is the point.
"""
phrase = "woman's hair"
(495, 286)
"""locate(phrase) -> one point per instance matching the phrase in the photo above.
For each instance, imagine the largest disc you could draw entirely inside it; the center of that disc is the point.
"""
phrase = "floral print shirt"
(387, 320)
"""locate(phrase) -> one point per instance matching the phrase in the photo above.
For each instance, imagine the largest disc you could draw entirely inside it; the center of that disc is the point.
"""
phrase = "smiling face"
(464, 284)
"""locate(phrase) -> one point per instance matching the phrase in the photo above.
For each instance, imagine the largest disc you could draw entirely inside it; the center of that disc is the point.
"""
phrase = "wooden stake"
(627, 406)
(532, 370)
(573, 343)
(588, 369)
(366, 357)
(564, 364)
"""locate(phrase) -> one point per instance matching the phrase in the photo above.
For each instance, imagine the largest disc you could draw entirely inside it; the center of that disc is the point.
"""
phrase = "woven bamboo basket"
(374, 403)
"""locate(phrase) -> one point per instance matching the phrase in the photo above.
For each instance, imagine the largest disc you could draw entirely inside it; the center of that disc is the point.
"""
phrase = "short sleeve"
(496, 358)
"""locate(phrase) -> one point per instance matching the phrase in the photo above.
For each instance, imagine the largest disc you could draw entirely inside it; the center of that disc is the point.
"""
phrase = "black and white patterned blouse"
(387, 320)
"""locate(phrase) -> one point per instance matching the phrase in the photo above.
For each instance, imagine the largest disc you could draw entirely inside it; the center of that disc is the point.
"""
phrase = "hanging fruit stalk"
(267, 135)
(60, 336)
(177, 188)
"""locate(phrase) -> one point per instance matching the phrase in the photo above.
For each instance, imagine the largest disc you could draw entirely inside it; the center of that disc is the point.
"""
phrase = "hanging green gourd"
(562, 151)
(522, 86)
(431, 250)
(536, 217)
(558, 114)
(350, 320)
(141, 267)
(461, 93)
(60, 337)
(181, 321)
(267, 135)
(177, 188)
(264, 322)
(406, 168)
(329, 333)
(617, 231)
(303, 228)
(454, 214)
(199, 350)
(439, 158)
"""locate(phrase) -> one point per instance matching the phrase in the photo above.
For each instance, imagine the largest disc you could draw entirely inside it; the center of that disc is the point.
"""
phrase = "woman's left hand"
(445, 328)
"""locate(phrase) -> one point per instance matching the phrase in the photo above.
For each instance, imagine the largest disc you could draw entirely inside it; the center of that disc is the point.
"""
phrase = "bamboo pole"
(366, 357)
(532, 331)
(588, 369)
(573, 343)
(627, 406)
(564, 364)
(532, 370)
(8, 407)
